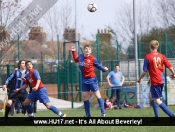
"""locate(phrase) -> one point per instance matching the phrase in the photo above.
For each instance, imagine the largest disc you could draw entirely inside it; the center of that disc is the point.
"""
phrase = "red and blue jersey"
(86, 66)
(32, 77)
(154, 63)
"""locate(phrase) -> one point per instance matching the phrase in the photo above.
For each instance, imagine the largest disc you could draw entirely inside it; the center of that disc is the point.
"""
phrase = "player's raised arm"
(75, 57)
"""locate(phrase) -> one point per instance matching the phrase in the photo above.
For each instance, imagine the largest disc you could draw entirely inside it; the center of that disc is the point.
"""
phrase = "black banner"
(86, 121)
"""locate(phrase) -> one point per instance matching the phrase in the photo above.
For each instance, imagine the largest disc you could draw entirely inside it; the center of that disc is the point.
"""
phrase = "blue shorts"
(40, 95)
(90, 87)
(156, 91)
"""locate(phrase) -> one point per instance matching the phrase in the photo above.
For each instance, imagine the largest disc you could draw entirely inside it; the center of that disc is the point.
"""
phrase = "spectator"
(116, 79)
(108, 105)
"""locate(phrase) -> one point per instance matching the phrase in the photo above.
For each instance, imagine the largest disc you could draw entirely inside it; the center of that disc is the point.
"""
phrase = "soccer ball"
(92, 7)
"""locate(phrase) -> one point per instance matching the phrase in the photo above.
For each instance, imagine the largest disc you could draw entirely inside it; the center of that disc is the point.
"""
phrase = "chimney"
(98, 31)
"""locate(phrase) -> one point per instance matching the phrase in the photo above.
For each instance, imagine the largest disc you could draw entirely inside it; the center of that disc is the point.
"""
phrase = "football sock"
(29, 110)
(166, 110)
(101, 104)
(87, 108)
(155, 108)
(7, 109)
(55, 110)
(24, 109)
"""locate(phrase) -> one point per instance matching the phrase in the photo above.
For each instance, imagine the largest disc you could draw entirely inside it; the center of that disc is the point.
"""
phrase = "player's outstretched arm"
(4, 87)
(75, 57)
(100, 67)
(22, 88)
(173, 74)
(142, 75)
(8, 80)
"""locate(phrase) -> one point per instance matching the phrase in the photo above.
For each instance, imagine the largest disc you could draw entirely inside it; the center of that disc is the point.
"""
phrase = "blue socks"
(87, 108)
(52, 108)
(29, 109)
(155, 108)
(166, 110)
(56, 111)
(101, 104)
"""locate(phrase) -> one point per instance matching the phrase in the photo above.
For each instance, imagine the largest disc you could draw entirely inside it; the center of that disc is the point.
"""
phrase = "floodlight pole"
(19, 51)
(136, 54)
(76, 44)
(1, 12)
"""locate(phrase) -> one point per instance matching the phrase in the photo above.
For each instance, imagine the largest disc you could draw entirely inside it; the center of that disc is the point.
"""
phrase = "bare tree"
(9, 10)
(124, 23)
(145, 19)
(166, 10)
(57, 19)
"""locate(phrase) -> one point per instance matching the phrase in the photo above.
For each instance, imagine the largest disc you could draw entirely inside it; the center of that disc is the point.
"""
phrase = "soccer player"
(115, 80)
(22, 95)
(39, 91)
(87, 62)
(154, 64)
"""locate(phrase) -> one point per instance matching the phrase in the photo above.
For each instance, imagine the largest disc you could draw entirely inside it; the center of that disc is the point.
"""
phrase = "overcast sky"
(88, 22)
(91, 21)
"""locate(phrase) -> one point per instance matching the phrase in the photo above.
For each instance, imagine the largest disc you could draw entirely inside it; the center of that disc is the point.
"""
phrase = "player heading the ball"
(87, 63)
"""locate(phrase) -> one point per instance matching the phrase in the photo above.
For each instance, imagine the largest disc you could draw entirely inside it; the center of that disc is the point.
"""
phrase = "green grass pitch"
(126, 112)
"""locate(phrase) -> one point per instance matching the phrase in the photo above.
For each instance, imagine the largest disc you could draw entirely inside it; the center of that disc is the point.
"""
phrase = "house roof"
(32, 49)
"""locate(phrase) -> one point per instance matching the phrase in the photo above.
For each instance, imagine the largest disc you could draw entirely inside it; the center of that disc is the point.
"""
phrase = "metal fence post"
(112, 65)
(165, 45)
(8, 70)
(58, 69)
(160, 47)
(71, 81)
(65, 71)
(19, 52)
(79, 75)
(42, 70)
(98, 57)
(118, 50)
(139, 56)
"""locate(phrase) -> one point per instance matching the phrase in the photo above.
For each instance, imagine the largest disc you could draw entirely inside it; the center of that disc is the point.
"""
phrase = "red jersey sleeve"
(75, 57)
(26, 81)
(166, 62)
